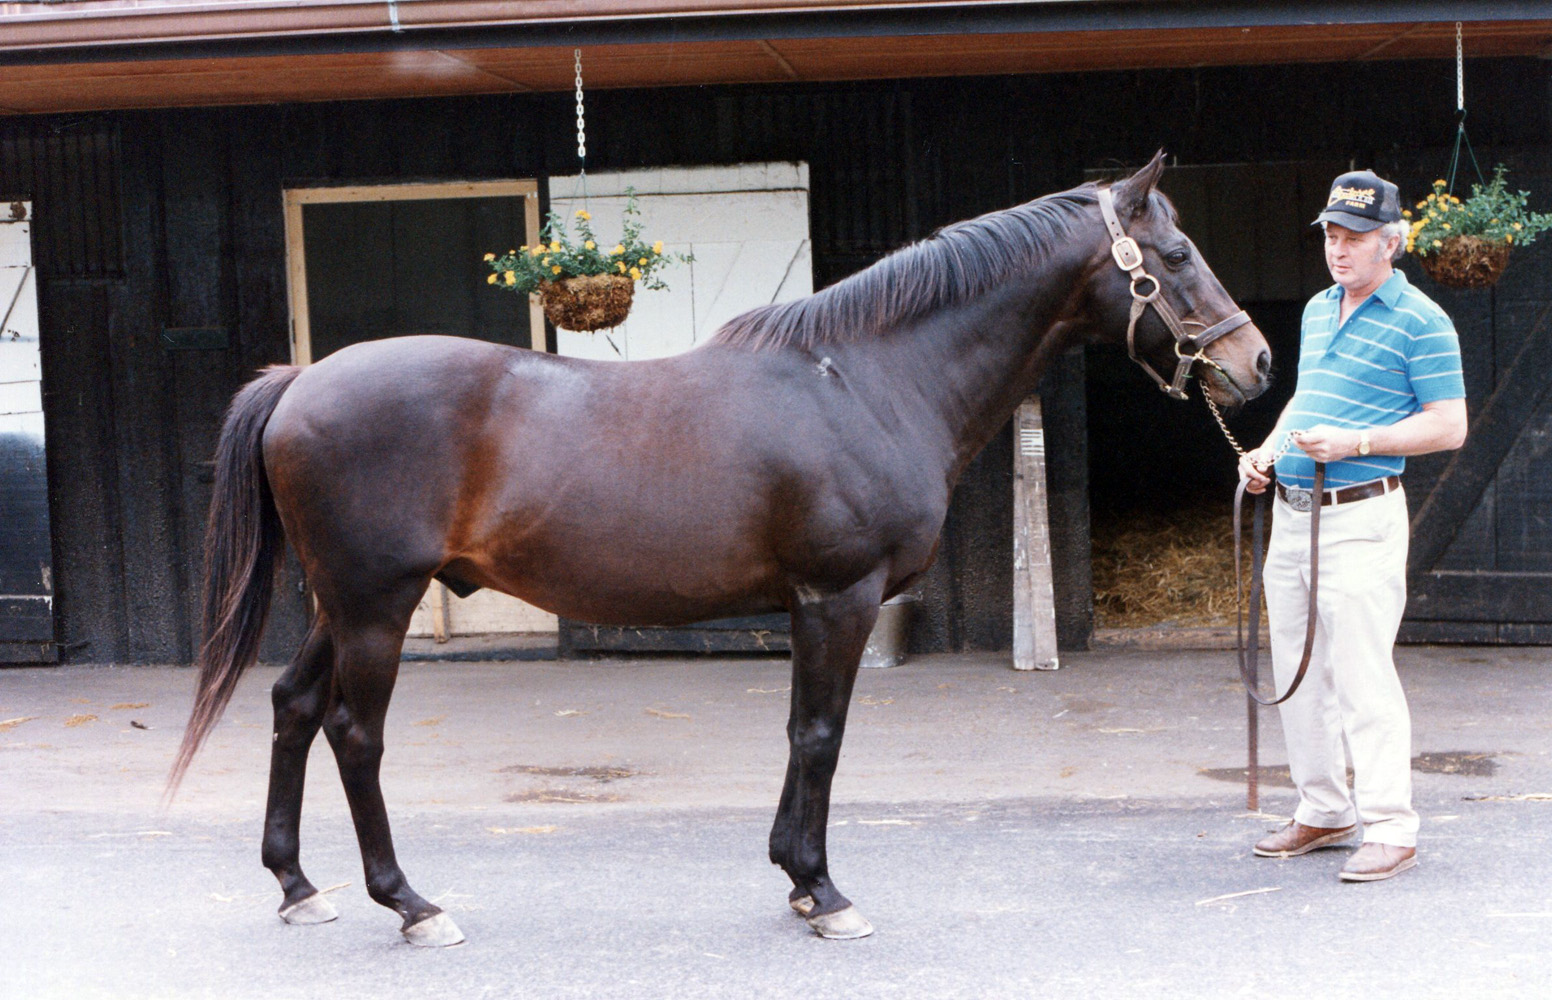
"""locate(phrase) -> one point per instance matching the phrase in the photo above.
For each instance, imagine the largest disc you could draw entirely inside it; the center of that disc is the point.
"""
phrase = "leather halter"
(1189, 348)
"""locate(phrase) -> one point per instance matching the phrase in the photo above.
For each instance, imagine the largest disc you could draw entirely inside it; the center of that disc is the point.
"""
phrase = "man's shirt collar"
(1389, 292)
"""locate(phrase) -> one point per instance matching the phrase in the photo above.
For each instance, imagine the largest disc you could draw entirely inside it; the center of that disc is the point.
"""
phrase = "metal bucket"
(886, 645)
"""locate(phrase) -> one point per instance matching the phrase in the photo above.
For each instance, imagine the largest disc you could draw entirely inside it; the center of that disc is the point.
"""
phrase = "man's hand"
(1253, 468)
(1325, 443)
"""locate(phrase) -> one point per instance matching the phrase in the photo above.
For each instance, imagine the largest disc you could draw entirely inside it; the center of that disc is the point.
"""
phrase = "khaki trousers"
(1351, 689)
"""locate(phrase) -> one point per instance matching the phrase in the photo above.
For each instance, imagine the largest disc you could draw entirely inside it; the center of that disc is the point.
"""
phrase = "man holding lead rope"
(1379, 379)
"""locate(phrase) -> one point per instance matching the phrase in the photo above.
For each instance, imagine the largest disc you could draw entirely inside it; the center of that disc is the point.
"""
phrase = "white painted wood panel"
(747, 227)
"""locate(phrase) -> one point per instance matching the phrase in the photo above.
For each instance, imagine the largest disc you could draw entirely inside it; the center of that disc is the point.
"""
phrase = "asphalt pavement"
(598, 830)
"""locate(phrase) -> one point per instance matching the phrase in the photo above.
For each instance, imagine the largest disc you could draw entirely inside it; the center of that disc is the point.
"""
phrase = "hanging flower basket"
(1466, 244)
(582, 285)
(1467, 262)
(587, 303)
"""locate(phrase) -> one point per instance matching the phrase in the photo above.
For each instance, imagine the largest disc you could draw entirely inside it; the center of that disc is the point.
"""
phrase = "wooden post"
(439, 615)
(1034, 599)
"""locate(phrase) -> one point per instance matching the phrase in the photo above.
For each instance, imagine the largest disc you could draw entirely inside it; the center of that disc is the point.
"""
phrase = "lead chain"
(1233, 442)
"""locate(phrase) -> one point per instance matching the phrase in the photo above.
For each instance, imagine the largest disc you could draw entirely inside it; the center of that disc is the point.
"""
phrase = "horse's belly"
(628, 577)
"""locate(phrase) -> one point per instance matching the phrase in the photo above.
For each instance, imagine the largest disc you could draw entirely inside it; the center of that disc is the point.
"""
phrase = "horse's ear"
(1131, 195)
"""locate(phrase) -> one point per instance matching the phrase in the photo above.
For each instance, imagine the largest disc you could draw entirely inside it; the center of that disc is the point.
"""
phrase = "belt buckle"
(1302, 501)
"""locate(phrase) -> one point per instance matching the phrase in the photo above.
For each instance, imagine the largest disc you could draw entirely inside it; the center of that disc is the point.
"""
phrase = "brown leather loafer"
(1296, 838)
(1372, 862)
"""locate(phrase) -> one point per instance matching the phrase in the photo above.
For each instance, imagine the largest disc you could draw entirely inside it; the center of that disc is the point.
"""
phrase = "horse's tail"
(244, 547)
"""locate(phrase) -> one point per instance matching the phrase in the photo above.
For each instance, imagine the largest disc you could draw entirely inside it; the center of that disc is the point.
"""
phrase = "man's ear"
(1131, 194)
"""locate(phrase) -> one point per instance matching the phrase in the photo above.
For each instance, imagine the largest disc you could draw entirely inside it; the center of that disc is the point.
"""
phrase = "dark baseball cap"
(1361, 201)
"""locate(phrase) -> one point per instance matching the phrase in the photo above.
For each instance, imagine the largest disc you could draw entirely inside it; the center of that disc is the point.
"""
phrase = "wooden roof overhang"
(113, 54)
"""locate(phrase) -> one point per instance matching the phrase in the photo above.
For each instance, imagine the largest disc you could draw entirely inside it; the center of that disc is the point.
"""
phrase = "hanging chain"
(581, 122)
(1460, 71)
(1460, 116)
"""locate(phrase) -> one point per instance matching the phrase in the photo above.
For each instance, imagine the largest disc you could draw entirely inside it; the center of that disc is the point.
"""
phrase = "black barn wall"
(159, 221)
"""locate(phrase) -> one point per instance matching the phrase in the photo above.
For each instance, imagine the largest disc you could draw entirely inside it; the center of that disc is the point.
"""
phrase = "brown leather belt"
(1303, 499)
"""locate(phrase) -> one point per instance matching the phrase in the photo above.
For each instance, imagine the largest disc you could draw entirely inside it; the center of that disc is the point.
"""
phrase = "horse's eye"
(1175, 258)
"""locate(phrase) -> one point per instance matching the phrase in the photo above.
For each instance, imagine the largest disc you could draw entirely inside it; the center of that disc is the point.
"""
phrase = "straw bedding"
(1171, 567)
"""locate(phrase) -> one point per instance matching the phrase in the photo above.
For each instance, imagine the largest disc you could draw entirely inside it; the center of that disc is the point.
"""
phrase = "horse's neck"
(969, 367)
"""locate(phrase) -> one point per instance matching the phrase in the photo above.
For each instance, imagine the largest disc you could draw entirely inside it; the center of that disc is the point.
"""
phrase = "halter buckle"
(1127, 254)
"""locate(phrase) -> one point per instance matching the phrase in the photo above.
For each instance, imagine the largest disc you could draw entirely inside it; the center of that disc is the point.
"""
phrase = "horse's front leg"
(828, 636)
(300, 697)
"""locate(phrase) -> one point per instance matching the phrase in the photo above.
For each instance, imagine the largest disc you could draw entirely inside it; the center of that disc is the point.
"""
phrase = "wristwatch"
(1363, 442)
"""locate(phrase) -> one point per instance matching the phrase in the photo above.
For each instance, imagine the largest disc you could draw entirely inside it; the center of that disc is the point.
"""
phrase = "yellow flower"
(1446, 225)
(619, 248)
(657, 247)
(1518, 227)
(491, 280)
(555, 269)
(1495, 221)
(536, 251)
(1508, 239)
(642, 261)
(555, 247)
(490, 256)
(511, 277)
(1454, 199)
(1438, 243)
(635, 274)
(545, 262)
(590, 245)
(511, 252)
(621, 266)
(584, 214)
(1405, 214)
(1438, 184)
(1422, 204)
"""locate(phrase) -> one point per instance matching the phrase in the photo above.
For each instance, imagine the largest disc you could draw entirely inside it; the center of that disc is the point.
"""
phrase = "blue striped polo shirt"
(1397, 351)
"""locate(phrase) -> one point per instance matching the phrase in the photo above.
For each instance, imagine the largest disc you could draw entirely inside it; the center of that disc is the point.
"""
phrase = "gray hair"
(1400, 229)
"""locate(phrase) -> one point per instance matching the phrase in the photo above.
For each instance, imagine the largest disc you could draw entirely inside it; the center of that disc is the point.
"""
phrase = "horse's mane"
(954, 264)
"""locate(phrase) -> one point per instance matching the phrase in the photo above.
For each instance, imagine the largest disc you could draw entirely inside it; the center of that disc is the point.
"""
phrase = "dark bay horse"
(802, 459)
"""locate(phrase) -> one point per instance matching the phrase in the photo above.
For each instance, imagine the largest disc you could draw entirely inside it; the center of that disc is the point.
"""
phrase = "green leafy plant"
(1493, 213)
(560, 255)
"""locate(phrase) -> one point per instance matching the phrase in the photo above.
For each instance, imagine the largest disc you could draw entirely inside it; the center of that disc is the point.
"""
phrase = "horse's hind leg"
(366, 666)
(828, 636)
(300, 697)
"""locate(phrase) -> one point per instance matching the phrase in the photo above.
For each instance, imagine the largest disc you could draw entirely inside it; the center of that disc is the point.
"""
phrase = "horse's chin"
(1222, 390)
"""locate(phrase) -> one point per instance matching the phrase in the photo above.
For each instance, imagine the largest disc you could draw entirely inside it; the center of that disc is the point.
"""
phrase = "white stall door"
(26, 565)
(746, 225)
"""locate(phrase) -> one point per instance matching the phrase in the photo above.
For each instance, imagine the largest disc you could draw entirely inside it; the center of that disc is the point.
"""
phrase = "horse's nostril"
(1264, 364)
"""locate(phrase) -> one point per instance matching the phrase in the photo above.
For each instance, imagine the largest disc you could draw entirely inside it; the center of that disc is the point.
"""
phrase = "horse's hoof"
(315, 909)
(841, 925)
(802, 905)
(437, 931)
